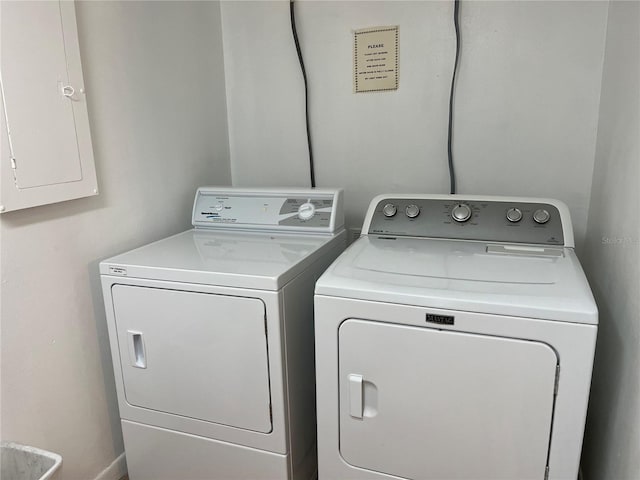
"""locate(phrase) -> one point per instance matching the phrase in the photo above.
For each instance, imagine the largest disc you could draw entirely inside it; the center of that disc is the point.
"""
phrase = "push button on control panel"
(412, 211)
(389, 210)
(514, 215)
(541, 216)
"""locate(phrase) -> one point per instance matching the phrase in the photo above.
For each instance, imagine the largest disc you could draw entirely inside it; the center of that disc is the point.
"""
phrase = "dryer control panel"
(494, 219)
(299, 210)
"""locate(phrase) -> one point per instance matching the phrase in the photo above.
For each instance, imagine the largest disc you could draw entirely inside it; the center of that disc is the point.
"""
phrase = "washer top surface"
(461, 275)
(466, 254)
(263, 261)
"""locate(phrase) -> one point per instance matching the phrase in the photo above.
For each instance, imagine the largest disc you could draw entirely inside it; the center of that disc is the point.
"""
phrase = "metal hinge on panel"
(14, 167)
(546, 472)
(557, 382)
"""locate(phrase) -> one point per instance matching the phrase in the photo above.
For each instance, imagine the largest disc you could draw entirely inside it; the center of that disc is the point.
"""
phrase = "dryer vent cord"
(306, 90)
(456, 24)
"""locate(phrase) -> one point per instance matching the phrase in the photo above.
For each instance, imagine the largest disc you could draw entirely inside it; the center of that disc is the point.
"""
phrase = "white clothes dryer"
(455, 340)
(211, 334)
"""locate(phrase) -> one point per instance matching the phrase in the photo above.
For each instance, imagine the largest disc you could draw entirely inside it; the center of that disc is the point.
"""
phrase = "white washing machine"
(455, 340)
(211, 334)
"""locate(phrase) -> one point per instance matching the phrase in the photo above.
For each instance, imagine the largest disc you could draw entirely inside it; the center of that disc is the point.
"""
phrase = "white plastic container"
(21, 462)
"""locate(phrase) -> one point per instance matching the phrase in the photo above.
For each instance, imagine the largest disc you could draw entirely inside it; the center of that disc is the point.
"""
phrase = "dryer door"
(422, 403)
(196, 355)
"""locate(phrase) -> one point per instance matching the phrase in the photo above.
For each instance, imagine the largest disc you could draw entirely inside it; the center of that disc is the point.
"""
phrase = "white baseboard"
(115, 471)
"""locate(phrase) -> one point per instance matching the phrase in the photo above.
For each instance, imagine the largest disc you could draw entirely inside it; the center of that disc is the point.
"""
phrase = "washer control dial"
(541, 216)
(306, 211)
(514, 215)
(461, 212)
(389, 210)
(412, 211)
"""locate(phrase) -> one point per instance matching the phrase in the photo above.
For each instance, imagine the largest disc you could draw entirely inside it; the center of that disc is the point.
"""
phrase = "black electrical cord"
(306, 90)
(456, 24)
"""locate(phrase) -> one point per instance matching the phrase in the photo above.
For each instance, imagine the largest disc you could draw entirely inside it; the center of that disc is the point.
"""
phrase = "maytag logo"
(440, 319)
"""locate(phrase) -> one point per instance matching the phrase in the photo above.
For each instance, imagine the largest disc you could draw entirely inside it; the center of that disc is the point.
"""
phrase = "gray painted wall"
(526, 105)
(155, 92)
(612, 258)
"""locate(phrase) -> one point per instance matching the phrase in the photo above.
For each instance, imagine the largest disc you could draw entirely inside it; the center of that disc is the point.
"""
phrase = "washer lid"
(264, 261)
(534, 282)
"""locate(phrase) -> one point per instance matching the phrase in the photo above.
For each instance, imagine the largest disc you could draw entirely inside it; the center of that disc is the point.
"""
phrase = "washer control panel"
(268, 209)
(474, 218)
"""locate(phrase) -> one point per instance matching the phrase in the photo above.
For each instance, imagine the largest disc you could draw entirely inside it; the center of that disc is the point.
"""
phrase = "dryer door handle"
(137, 353)
(356, 405)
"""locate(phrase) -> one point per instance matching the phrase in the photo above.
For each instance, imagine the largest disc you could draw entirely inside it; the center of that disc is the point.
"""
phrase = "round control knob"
(412, 211)
(541, 216)
(461, 212)
(218, 207)
(389, 210)
(306, 211)
(514, 215)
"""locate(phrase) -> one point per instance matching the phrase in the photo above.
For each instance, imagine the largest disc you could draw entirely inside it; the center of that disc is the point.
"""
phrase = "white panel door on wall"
(426, 404)
(46, 150)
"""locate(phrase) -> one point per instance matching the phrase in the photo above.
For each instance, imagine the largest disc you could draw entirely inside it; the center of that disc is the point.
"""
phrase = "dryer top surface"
(525, 281)
(258, 260)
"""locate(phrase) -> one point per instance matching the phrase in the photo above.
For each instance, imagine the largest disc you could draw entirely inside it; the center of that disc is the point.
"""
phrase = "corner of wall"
(226, 58)
(595, 144)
